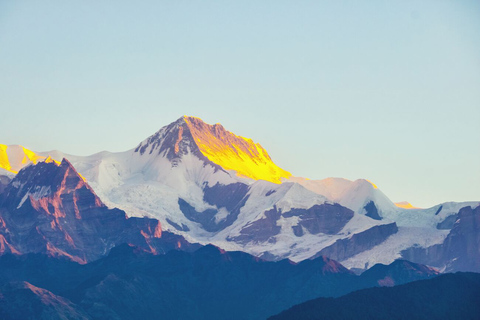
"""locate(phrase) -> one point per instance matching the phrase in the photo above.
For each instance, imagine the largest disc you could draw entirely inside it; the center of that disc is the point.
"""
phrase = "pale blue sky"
(383, 90)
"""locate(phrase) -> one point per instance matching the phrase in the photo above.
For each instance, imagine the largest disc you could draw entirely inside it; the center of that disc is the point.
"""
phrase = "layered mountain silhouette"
(449, 296)
(209, 283)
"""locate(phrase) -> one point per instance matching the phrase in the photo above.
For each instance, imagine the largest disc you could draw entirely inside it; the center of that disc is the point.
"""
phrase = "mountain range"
(211, 186)
(197, 222)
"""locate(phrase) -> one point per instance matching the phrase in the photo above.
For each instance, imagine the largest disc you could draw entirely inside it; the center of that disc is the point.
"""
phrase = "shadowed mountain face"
(343, 249)
(324, 218)
(4, 181)
(49, 208)
(450, 296)
(21, 300)
(206, 284)
(461, 249)
(397, 273)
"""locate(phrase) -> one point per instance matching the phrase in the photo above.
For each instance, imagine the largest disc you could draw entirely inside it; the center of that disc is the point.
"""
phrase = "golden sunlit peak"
(405, 205)
(233, 152)
(373, 184)
(4, 162)
(14, 158)
(31, 156)
(49, 159)
(185, 117)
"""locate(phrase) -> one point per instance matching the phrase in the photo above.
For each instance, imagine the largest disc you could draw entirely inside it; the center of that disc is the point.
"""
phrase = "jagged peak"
(58, 170)
(215, 144)
(48, 179)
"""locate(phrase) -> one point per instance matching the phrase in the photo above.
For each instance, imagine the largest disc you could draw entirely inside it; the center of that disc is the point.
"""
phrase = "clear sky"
(383, 90)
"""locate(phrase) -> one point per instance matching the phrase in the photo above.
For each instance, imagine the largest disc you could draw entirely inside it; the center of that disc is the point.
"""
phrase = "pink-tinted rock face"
(49, 208)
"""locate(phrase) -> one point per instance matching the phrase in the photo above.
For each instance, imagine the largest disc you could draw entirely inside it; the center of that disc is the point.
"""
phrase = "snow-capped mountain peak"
(49, 178)
(215, 145)
(172, 141)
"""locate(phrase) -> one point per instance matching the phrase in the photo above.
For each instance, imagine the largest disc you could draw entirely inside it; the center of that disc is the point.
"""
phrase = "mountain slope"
(461, 249)
(397, 273)
(21, 300)
(206, 284)
(450, 296)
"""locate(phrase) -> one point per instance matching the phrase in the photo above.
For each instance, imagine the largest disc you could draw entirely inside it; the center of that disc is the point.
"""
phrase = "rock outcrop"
(460, 251)
(49, 208)
(345, 248)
